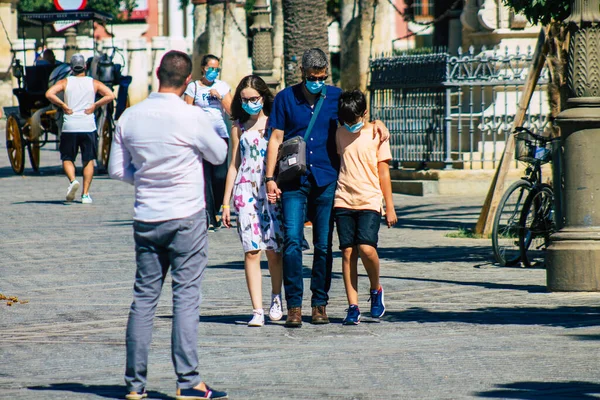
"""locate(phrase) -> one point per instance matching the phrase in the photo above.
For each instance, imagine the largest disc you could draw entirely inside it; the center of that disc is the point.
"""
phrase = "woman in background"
(214, 97)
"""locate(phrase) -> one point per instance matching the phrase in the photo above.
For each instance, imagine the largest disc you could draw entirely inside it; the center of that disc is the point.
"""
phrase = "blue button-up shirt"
(291, 113)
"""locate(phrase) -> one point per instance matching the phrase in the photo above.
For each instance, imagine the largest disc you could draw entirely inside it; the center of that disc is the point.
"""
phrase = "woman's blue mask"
(211, 75)
(252, 108)
(315, 86)
(356, 127)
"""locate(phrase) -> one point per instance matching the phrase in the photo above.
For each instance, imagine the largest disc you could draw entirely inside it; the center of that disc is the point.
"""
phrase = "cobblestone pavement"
(457, 326)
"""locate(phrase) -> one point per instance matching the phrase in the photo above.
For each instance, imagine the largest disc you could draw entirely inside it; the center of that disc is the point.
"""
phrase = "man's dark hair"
(174, 69)
(257, 83)
(206, 59)
(351, 106)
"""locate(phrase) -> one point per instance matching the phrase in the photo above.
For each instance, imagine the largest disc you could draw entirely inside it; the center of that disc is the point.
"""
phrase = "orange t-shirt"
(358, 185)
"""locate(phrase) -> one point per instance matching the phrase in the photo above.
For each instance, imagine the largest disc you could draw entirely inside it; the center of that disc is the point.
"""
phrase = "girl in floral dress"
(259, 222)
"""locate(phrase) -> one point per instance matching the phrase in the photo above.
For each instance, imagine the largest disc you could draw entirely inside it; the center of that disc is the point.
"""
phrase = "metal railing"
(448, 111)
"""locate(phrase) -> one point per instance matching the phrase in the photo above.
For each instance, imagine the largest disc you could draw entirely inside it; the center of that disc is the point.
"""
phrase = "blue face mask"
(315, 86)
(211, 75)
(252, 108)
(356, 127)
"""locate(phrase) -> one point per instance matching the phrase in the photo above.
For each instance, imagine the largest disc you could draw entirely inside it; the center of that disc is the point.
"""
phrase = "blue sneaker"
(196, 394)
(377, 305)
(353, 316)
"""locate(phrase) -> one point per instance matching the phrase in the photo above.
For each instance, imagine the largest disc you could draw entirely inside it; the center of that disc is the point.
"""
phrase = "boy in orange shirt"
(363, 181)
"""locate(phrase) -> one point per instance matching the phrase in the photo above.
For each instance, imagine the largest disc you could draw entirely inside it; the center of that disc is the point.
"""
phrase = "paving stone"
(457, 326)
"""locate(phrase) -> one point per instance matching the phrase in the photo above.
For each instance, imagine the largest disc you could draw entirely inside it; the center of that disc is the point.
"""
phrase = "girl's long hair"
(255, 82)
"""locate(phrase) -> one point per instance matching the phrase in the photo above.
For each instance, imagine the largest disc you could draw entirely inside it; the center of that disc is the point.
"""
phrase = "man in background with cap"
(79, 123)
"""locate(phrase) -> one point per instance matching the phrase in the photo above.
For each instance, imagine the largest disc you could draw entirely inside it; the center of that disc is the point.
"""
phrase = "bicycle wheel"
(537, 220)
(505, 231)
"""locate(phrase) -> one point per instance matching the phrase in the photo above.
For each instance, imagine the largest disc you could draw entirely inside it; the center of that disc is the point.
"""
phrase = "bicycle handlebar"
(544, 139)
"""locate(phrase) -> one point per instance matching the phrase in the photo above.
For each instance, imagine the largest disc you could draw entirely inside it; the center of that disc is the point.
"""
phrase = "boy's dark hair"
(351, 106)
(174, 69)
(207, 58)
(257, 83)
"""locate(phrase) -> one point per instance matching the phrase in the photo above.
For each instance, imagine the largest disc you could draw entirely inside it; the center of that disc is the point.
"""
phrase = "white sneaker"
(276, 311)
(258, 318)
(72, 190)
(86, 199)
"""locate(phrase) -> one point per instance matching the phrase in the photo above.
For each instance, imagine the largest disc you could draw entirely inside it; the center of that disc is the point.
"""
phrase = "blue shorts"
(357, 227)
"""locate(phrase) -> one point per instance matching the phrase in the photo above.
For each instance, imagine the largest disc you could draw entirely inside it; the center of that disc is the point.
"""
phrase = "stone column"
(9, 16)
(199, 47)
(138, 69)
(233, 47)
(262, 43)
(573, 259)
(70, 43)
(159, 48)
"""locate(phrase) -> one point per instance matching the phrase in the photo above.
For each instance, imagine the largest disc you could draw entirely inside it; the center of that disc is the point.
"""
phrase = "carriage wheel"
(104, 144)
(15, 145)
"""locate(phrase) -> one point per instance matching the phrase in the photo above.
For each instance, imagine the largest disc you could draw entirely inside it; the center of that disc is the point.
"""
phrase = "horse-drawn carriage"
(30, 125)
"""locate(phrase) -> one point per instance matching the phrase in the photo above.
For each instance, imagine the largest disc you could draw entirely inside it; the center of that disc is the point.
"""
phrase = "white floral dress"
(259, 222)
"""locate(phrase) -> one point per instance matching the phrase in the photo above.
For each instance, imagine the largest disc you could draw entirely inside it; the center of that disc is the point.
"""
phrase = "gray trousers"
(182, 245)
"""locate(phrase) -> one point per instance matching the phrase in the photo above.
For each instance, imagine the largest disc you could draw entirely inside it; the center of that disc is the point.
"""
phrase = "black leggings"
(214, 179)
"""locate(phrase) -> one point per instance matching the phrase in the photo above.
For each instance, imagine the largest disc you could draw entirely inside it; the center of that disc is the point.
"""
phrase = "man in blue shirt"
(312, 194)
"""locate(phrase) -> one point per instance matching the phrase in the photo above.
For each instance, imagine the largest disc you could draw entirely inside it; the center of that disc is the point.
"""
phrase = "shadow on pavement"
(57, 202)
(7, 172)
(585, 337)
(487, 285)
(438, 223)
(306, 271)
(108, 391)
(544, 390)
(468, 254)
(566, 317)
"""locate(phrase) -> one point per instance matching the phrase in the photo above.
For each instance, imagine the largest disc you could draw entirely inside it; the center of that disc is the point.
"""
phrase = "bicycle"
(506, 226)
(536, 222)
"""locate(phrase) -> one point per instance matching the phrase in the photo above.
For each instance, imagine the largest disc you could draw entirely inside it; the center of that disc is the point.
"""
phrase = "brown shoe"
(319, 315)
(294, 317)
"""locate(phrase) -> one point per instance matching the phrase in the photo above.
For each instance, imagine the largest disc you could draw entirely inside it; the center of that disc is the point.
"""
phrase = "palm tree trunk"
(305, 27)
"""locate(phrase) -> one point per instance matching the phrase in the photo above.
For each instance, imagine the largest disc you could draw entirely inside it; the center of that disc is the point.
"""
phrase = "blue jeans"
(316, 203)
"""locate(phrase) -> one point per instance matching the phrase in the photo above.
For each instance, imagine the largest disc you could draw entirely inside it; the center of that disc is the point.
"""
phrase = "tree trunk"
(556, 60)
(305, 27)
(277, 12)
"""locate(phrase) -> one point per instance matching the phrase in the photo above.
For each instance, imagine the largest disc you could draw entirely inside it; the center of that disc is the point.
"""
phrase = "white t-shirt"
(210, 104)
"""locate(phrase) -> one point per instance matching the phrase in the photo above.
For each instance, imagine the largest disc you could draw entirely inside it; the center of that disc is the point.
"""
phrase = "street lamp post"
(262, 43)
(573, 259)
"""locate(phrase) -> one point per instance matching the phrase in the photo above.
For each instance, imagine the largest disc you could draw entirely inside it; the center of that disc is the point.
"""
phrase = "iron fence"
(453, 111)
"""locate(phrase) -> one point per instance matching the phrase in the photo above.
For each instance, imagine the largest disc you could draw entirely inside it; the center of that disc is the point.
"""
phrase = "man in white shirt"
(159, 145)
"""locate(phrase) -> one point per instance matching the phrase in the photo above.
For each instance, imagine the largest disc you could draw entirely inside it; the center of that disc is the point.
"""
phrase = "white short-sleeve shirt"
(210, 104)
